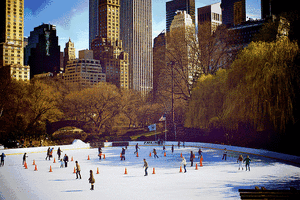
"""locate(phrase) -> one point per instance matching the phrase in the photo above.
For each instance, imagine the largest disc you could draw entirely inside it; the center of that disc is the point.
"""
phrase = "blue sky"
(71, 17)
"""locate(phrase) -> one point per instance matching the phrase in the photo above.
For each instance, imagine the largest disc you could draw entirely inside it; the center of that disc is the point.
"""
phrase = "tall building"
(42, 53)
(69, 52)
(11, 39)
(175, 5)
(136, 34)
(233, 11)
(211, 14)
(93, 20)
(107, 46)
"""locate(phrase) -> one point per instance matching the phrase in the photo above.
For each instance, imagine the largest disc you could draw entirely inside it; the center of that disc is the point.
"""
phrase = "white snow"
(217, 179)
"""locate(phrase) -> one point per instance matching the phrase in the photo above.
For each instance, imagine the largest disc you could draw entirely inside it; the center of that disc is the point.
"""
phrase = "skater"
(59, 153)
(123, 154)
(66, 160)
(24, 158)
(240, 161)
(164, 148)
(184, 164)
(48, 153)
(224, 154)
(146, 167)
(51, 153)
(91, 179)
(178, 144)
(61, 163)
(172, 148)
(247, 160)
(155, 153)
(77, 170)
(136, 148)
(2, 159)
(199, 152)
(99, 153)
(192, 158)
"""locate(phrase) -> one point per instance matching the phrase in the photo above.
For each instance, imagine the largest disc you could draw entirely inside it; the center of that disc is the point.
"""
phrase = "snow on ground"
(217, 179)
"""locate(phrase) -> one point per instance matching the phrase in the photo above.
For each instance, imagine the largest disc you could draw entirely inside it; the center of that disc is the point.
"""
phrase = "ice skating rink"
(217, 179)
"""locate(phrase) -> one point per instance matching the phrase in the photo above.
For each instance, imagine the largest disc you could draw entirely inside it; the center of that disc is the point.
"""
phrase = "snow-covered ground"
(217, 179)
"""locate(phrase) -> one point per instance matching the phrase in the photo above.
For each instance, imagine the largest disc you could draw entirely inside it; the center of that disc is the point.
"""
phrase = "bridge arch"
(54, 126)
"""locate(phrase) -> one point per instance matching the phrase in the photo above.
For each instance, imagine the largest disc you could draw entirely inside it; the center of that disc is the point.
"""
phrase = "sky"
(71, 17)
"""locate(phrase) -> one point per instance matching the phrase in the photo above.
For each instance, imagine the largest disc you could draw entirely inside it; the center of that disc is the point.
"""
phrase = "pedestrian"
(48, 153)
(146, 167)
(224, 154)
(61, 163)
(2, 159)
(184, 164)
(123, 154)
(240, 161)
(100, 153)
(155, 153)
(178, 144)
(91, 179)
(77, 170)
(59, 153)
(199, 152)
(66, 160)
(192, 158)
(172, 148)
(136, 148)
(24, 158)
(247, 160)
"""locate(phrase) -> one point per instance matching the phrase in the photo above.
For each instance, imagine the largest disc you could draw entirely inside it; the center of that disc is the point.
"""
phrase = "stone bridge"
(54, 126)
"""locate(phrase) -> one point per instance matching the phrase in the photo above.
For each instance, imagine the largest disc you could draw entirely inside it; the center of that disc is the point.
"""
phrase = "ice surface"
(217, 179)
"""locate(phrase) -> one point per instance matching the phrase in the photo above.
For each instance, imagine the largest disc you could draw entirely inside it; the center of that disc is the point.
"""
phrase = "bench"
(263, 193)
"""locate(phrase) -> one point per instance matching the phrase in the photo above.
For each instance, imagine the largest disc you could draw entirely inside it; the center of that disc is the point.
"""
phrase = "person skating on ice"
(146, 167)
(59, 153)
(77, 170)
(136, 148)
(247, 160)
(155, 153)
(184, 164)
(24, 158)
(91, 179)
(2, 159)
(224, 154)
(192, 158)
(240, 161)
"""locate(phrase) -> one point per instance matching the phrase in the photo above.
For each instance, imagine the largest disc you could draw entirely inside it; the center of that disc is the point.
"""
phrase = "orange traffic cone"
(33, 163)
(153, 170)
(150, 154)
(125, 171)
(50, 169)
(180, 170)
(74, 171)
(97, 170)
(103, 156)
(165, 154)
(201, 159)
(54, 161)
(120, 155)
(88, 157)
(137, 154)
(72, 158)
(25, 165)
(196, 167)
(180, 155)
(35, 168)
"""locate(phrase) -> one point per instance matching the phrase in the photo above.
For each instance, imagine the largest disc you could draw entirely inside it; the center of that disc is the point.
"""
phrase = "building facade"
(69, 52)
(233, 11)
(93, 20)
(175, 5)
(11, 39)
(84, 72)
(136, 34)
(211, 14)
(42, 53)
(107, 46)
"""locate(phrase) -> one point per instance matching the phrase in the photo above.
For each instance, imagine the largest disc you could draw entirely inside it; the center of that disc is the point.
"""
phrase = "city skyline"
(71, 17)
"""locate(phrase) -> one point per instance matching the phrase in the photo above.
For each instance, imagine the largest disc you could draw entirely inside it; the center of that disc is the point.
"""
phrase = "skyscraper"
(107, 46)
(210, 14)
(233, 11)
(69, 52)
(175, 5)
(93, 20)
(136, 34)
(11, 39)
(42, 53)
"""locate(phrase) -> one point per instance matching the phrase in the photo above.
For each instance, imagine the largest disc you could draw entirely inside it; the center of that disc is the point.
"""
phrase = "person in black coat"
(59, 153)
(192, 158)
(123, 154)
(66, 160)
